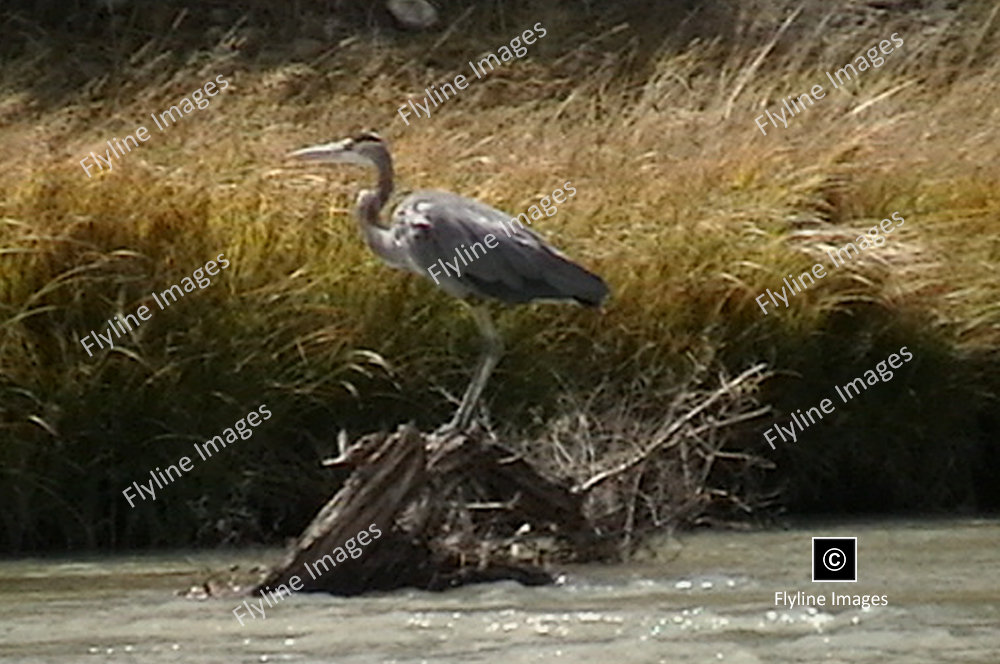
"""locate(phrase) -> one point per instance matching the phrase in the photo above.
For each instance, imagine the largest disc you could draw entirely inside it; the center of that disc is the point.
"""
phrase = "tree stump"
(451, 510)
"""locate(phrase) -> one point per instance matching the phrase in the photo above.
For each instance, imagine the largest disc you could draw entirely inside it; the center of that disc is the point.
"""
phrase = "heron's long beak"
(336, 153)
(324, 152)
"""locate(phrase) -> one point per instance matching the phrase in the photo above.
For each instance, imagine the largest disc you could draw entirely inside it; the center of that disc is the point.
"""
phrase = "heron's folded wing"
(520, 267)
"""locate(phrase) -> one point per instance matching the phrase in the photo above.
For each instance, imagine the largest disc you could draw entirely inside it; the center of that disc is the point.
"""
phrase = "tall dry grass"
(683, 206)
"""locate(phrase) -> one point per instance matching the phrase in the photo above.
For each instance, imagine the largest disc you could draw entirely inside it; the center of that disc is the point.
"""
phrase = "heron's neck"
(377, 236)
(383, 162)
(368, 210)
(369, 207)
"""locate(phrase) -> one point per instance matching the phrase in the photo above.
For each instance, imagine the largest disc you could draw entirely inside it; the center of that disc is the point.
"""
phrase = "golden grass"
(688, 212)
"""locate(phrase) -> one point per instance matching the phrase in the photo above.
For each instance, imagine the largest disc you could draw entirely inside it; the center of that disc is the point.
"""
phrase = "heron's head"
(365, 149)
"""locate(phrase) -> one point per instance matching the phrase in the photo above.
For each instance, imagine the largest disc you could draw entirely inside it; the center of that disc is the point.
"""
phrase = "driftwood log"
(463, 508)
(452, 510)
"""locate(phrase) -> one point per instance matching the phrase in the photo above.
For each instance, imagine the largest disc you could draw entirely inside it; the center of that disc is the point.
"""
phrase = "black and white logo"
(835, 558)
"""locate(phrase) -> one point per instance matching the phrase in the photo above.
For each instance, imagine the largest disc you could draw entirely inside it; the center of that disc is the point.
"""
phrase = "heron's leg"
(487, 362)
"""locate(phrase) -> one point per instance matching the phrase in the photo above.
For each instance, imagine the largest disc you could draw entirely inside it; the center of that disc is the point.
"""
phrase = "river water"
(706, 597)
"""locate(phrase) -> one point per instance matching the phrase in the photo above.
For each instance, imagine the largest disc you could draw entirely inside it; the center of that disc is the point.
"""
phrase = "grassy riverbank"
(684, 207)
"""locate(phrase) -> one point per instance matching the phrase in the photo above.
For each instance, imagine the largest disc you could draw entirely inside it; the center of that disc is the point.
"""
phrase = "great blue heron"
(428, 226)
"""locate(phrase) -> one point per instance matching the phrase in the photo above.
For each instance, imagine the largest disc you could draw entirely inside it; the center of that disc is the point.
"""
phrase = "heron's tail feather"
(573, 281)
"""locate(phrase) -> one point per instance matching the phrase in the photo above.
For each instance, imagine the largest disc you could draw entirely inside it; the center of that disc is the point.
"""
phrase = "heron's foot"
(461, 422)
(450, 429)
(456, 427)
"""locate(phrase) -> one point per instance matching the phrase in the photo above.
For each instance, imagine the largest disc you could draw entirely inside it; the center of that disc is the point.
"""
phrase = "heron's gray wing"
(520, 267)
